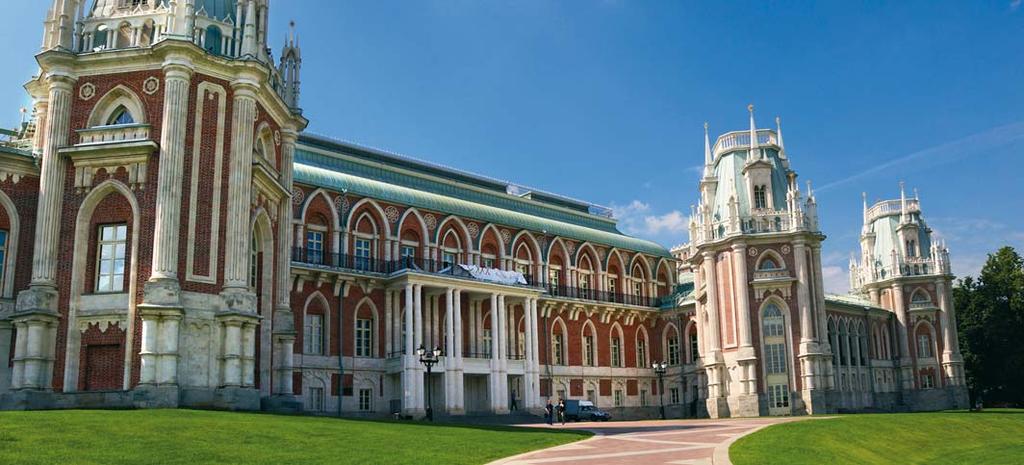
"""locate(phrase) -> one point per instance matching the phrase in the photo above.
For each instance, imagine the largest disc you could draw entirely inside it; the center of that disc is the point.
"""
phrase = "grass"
(991, 437)
(200, 437)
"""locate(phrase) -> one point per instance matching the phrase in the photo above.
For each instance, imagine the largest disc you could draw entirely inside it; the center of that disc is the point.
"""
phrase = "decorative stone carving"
(785, 249)
(150, 85)
(391, 212)
(342, 204)
(430, 220)
(87, 91)
(506, 236)
(277, 137)
(752, 251)
(474, 230)
(297, 196)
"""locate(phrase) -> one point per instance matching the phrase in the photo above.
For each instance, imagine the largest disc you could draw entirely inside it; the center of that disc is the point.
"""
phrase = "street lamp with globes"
(429, 358)
(659, 369)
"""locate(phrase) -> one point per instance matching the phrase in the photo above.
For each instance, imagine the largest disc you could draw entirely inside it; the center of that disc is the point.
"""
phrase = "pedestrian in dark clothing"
(549, 413)
(561, 411)
(514, 406)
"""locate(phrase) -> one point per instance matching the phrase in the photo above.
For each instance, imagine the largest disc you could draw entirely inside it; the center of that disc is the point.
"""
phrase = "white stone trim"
(218, 161)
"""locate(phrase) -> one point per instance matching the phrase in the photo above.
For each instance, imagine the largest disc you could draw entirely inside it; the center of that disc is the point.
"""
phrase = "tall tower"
(904, 269)
(162, 224)
(756, 250)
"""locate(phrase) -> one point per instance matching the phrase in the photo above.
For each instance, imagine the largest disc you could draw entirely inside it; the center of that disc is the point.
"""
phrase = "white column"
(715, 338)
(902, 321)
(409, 371)
(460, 395)
(418, 316)
(168, 346)
(167, 227)
(232, 376)
(803, 295)
(495, 354)
(389, 337)
(283, 322)
(449, 350)
(248, 354)
(236, 264)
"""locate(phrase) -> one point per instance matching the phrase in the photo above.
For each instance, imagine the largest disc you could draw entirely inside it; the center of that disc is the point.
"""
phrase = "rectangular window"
(775, 358)
(694, 349)
(778, 396)
(448, 258)
(408, 251)
(364, 338)
(588, 350)
(584, 285)
(315, 246)
(638, 288)
(616, 352)
(314, 334)
(927, 382)
(643, 397)
(554, 277)
(924, 346)
(673, 351)
(613, 285)
(523, 269)
(673, 396)
(641, 353)
(618, 397)
(556, 346)
(488, 262)
(363, 254)
(365, 400)
(315, 399)
(113, 239)
(760, 197)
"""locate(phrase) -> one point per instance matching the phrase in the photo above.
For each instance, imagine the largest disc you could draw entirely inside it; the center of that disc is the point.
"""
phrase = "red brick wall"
(112, 210)
(101, 360)
(25, 196)
(605, 387)
(631, 387)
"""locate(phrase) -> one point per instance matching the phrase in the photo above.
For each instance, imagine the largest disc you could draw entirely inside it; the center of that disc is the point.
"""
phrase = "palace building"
(170, 237)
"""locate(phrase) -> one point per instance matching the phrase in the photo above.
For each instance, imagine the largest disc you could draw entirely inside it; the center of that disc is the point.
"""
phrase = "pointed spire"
(753, 130)
(903, 204)
(249, 46)
(707, 151)
(810, 191)
(778, 133)
(864, 200)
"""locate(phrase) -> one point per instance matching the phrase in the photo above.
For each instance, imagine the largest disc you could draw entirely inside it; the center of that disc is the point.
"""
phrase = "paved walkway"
(651, 442)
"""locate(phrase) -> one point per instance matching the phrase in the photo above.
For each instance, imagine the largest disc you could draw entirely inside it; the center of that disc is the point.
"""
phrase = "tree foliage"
(990, 323)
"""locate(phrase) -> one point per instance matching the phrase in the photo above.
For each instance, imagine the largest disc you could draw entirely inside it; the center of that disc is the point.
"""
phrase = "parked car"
(584, 410)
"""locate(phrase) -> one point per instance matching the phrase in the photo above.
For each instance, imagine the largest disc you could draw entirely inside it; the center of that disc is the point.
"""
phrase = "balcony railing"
(371, 265)
(114, 133)
(891, 207)
(741, 139)
(601, 296)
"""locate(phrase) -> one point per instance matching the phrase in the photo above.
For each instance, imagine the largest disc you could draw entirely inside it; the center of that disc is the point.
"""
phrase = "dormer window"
(760, 197)
(120, 116)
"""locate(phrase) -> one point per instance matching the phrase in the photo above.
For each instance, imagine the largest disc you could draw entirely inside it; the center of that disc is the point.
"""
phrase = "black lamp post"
(429, 358)
(659, 369)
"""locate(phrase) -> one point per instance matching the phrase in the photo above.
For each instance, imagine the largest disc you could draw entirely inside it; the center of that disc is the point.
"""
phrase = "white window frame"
(616, 351)
(588, 350)
(315, 398)
(315, 236)
(618, 397)
(115, 281)
(641, 352)
(558, 348)
(673, 349)
(365, 400)
(313, 335)
(364, 337)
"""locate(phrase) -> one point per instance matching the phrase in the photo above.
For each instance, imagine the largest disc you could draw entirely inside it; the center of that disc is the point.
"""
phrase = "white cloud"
(636, 218)
(836, 279)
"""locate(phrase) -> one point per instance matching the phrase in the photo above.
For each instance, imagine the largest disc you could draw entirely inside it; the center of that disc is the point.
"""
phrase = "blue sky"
(605, 100)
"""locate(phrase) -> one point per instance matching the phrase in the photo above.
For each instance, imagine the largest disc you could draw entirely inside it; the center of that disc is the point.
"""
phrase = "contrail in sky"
(960, 148)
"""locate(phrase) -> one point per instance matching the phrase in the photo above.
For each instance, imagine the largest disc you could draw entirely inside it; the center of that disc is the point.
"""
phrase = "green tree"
(990, 322)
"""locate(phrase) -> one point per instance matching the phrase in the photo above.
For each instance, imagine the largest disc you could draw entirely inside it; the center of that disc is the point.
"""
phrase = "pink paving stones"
(651, 442)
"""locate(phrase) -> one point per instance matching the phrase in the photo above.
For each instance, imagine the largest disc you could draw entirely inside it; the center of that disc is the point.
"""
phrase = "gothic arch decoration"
(317, 296)
(415, 215)
(11, 257)
(371, 206)
(668, 332)
(775, 328)
(265, 149)
(80, 256)
(587, 249)
(690, 333)
(638, 260)
(335, 219)
(642, 359)
(920, 296)
(588, 327)
(113, 101)
(770, 260)
(491, 228)
(613, 332)
(558, 327)
(557, 241)
(367, 303)
(263, 243)
(454, 223)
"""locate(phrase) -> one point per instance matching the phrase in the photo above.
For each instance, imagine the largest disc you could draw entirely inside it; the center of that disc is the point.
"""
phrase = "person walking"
(549, 413)
(561, 411)
(514, 406)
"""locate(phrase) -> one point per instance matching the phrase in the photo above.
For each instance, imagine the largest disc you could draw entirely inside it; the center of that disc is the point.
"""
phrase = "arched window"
(589, 347)
(694, 344)
(641, 349)
(924, 344)
(672, 345)
(253, 261)
(616, 351)
(213, 40)
(121, 115)
(124, 36)
(773, 331)
(768, 264)
(99, 38)
(146, 34)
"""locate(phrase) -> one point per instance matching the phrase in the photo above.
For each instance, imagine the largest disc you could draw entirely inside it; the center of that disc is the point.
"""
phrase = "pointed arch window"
(121, 115)
(769, 264)
(775, 349)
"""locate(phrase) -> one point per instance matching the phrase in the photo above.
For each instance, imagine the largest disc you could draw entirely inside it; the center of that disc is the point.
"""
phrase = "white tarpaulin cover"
(495, 276)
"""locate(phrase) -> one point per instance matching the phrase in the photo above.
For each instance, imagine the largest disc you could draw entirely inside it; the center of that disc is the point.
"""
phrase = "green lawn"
(200, 437)
(992, 437)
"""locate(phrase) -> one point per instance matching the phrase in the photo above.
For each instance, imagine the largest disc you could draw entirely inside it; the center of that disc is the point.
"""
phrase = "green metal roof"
(851, 300)
(308, 172)
(886, 230)
(729, 171)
